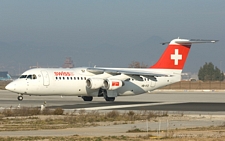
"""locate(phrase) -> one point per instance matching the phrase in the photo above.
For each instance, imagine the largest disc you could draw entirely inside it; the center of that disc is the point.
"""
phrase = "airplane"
(89, 82)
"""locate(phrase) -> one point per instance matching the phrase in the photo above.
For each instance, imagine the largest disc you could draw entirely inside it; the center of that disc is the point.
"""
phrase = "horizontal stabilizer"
(189, 41)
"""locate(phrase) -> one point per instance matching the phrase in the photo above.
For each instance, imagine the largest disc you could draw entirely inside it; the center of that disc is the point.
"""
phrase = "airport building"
(68, 63)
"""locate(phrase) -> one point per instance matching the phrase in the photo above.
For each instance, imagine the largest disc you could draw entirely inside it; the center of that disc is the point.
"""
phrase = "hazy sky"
(120, 23)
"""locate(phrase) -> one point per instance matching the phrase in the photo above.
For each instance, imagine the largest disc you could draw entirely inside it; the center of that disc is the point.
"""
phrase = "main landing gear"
(87, 98)
(108, 98)
(103, 92)
(20, 97)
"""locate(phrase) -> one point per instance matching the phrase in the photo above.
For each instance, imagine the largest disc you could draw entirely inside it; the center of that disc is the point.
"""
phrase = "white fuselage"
(61, 81)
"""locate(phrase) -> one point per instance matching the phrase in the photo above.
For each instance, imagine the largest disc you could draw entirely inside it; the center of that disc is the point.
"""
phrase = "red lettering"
(64, 73)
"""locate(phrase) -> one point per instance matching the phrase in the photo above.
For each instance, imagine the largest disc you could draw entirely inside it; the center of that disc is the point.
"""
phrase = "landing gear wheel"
(87, 98)
(20, 98)
(108, 98)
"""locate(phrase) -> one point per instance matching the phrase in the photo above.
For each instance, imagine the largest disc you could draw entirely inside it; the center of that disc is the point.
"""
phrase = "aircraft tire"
(87, 98)
(109, 98)
(20, 98)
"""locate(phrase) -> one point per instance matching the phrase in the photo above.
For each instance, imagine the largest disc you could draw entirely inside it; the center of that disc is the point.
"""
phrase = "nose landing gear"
(20, 97)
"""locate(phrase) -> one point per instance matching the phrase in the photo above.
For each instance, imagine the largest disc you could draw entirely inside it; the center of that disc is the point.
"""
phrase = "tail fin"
(175, 55)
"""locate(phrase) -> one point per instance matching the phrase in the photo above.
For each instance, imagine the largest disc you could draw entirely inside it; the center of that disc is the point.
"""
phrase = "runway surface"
(201, 109)
(160, 101)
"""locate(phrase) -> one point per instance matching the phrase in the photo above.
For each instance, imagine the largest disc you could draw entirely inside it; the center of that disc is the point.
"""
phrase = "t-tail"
(175, 55)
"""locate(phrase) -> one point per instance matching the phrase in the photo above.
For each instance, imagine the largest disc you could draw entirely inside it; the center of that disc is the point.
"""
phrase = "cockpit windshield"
(31, 76)
(23, 76)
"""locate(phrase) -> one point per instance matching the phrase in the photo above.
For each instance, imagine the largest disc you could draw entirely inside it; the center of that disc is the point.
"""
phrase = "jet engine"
(94, 83)
(111, 84)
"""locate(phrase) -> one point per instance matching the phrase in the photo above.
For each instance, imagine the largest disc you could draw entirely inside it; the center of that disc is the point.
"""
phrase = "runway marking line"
(125, 106)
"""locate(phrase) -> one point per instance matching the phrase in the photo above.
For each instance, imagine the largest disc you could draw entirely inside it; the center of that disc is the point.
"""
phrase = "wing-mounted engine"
(94, 83)
(111, 84)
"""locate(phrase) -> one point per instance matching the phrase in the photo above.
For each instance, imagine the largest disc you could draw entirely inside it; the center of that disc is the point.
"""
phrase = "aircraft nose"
(10, 87)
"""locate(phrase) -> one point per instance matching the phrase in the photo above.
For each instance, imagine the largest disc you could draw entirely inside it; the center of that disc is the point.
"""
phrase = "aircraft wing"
(137, 72)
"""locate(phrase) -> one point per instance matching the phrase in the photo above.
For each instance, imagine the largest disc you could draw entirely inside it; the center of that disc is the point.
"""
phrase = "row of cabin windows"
(70, 78)
(33, 76)
(144, 79)
(84, 78)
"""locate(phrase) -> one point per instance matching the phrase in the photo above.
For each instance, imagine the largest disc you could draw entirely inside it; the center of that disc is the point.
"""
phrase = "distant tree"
(136, 64)
(210, 73)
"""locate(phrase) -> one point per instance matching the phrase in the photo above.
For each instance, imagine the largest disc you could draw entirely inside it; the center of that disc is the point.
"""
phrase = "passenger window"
(74, 78)
(56, 78)
(68, 78)
(81, 78)
(63, 78)
(84, 78)
(77, 78)
(60, 78)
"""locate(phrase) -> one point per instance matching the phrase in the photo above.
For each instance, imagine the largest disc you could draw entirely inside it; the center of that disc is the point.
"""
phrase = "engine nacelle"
(111, 84)
(94, 83)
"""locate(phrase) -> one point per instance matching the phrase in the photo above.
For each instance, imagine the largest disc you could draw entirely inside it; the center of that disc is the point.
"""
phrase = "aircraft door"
(46, 80)
(153, 83)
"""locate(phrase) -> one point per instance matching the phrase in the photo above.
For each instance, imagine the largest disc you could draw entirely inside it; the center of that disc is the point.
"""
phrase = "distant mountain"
(147, 51)
(20, 55)
(16, 57)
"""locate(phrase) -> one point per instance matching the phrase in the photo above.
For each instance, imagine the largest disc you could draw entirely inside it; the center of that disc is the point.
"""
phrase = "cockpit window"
(34, 76)
(23, 76)
(29, 77)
